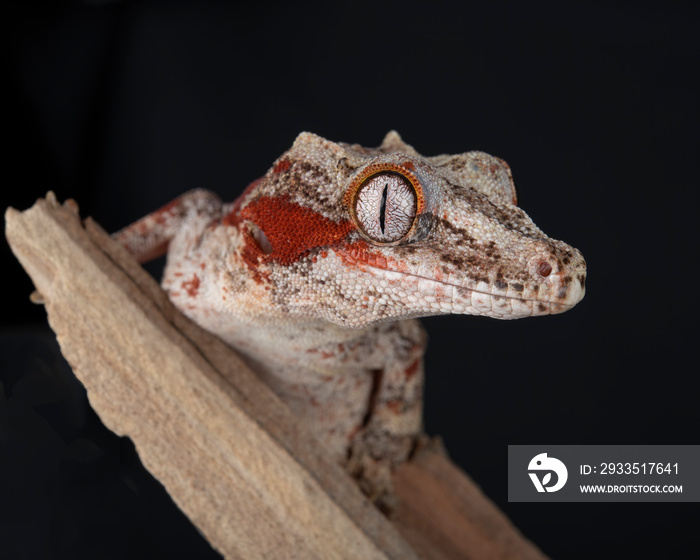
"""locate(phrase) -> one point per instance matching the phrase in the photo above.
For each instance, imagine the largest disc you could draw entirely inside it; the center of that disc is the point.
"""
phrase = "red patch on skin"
(358, 254)
(439, 290)
(413, 368)
(395, 406)
(191, 286)
(408, 165)
(281, 166)
(292, 230)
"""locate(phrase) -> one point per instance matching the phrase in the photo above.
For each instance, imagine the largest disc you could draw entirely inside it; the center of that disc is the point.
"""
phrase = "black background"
(124, 105)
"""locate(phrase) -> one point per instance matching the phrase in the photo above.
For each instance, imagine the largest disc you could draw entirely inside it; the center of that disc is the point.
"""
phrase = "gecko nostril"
(544, 269)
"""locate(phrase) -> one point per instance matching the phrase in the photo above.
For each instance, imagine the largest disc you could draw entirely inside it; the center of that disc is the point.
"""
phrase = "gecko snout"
(562, 272)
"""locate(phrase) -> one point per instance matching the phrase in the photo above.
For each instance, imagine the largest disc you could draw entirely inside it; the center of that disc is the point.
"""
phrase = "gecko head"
(355, 236)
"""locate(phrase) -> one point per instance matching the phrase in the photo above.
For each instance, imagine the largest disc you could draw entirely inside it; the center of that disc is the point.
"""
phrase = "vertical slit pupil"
(382, 208)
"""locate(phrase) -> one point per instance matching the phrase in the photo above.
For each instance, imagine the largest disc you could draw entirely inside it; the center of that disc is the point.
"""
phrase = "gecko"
(316, 274)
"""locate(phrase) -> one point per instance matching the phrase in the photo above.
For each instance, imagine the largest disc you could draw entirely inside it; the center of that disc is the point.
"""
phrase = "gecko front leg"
(393, 423)
(149, 238)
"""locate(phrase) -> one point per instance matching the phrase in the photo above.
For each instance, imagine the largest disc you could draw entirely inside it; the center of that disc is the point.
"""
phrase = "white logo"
(543, 463)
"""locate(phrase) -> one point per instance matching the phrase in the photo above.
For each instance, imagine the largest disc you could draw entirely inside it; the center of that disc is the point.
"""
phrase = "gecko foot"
(374, 479)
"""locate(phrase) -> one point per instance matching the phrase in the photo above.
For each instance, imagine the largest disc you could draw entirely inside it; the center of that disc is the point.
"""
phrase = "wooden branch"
(229, 452)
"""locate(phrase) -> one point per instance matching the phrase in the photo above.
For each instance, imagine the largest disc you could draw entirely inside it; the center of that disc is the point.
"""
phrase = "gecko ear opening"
(261, 239)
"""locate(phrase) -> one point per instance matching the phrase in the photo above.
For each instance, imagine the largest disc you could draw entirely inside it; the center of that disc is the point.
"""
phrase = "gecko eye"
(385, 207)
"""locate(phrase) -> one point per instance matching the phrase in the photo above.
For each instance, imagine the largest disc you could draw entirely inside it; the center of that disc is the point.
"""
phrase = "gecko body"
(316, 273)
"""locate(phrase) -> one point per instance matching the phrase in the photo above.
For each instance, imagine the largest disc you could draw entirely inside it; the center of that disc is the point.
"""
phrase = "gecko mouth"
(438, 296)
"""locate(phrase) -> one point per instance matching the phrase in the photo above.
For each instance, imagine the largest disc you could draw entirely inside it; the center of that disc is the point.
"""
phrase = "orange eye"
(385, 206)
(386, 199)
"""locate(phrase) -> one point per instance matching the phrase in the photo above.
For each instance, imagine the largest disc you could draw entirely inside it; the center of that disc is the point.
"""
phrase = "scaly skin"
(318, 270)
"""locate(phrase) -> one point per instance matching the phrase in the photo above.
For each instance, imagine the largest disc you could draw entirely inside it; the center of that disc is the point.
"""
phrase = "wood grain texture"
(228, 451)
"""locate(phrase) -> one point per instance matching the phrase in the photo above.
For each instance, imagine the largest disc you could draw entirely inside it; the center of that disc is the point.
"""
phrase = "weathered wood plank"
(229, 452)
(237, 481)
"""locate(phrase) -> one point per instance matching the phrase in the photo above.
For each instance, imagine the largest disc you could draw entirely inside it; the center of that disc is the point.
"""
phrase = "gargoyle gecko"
(316, 273)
